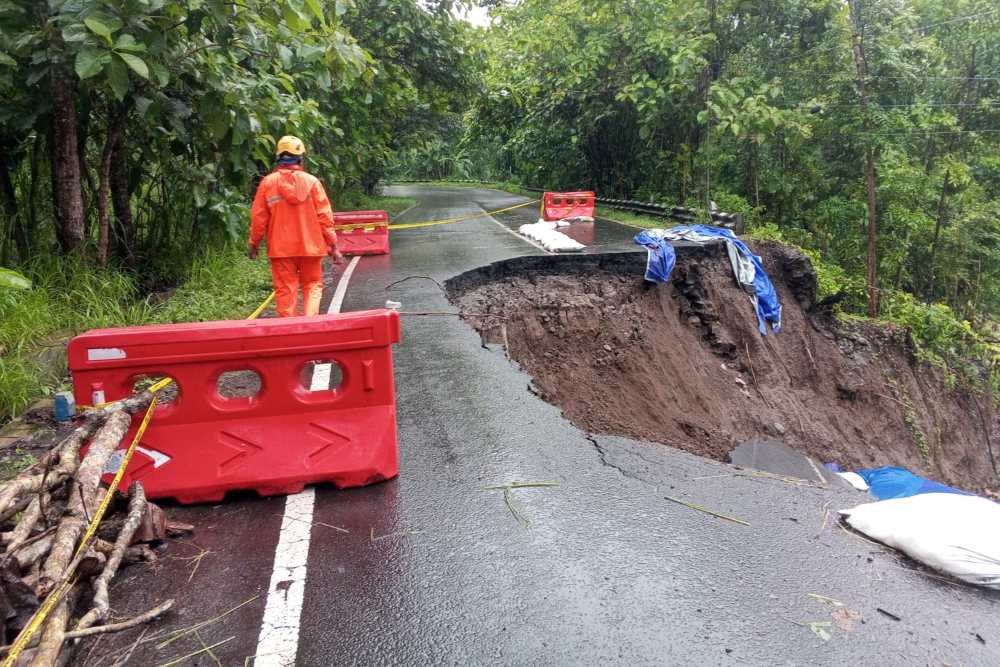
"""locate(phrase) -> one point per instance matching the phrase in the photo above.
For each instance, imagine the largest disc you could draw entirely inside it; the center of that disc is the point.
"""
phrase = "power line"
(992, 105)
(959, 19)
(924, 132)
(938, 78)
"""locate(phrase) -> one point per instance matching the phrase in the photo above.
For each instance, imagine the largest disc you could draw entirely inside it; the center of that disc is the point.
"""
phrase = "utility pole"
(857, 52)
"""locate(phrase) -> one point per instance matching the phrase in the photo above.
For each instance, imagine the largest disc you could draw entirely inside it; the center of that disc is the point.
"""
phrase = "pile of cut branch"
(44, 515)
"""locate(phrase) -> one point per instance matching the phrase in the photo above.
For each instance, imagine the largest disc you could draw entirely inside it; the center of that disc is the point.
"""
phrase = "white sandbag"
(545, 234)
(958, 535)
(854, 479)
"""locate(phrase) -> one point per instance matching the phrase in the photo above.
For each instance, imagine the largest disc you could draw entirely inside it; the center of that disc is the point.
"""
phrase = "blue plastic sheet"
(660, 257)
(895, 482)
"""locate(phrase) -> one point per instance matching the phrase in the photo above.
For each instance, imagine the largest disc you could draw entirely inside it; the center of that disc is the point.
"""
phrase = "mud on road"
(683, 364)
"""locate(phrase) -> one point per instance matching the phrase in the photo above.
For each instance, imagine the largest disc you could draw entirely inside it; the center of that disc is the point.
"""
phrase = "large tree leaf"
(161, 73)
(13, 279)
(126, 42)
(104, 26)
(90, 62)
(137, 64)
(118, 78)
(316, 7)
(294, 19)
(75, 32)
(142, 105)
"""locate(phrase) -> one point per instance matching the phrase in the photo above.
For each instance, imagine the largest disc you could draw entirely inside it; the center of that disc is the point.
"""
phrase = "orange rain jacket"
(291, 208)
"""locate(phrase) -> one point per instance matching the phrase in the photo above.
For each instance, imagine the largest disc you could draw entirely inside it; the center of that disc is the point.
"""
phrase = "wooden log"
(26, 525)
(136, 512)
(67, 453)
(54, 631)
(83, 500)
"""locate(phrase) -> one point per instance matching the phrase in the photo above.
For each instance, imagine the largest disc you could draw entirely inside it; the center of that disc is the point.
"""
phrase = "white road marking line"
(515, 234)
(278, 642)
(321, 377)
(338, 297)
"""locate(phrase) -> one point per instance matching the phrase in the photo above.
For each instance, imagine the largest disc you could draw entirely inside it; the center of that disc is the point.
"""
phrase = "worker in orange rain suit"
(292, 210)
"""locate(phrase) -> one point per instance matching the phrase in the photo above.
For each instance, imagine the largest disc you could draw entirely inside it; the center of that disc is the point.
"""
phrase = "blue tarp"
(661, 258)
(895, 482)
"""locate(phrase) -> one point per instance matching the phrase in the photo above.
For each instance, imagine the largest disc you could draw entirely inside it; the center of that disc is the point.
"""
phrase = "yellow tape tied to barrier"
(29, 631)
(41, 614)
(428, 223)
(448, 221)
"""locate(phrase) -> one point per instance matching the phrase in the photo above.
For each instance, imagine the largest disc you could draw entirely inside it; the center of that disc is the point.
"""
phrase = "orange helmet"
(291, 145)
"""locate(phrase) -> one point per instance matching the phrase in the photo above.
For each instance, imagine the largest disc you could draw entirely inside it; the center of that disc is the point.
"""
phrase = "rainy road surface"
(433, 568)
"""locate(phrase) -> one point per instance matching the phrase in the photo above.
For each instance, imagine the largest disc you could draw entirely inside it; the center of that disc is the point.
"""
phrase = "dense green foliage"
(132, 133)
(758, 107)
(67, 297)
(35, 323)
(173, 107)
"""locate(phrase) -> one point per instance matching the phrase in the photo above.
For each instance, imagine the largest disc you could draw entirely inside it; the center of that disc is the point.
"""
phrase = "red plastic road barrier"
(202, 444)
(362, 232)
(560, 205)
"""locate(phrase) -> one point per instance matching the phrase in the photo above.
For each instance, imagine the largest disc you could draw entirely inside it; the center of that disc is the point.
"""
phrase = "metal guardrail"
(733, 221)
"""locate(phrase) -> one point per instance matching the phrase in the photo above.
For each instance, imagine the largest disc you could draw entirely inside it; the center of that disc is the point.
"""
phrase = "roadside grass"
(630, 219)
(222, 284)
(356, 201)
(504, 186)
(14, 462)
(68, 297)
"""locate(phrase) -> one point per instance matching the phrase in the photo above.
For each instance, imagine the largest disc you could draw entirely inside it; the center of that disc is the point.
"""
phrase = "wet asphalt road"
(435, 569)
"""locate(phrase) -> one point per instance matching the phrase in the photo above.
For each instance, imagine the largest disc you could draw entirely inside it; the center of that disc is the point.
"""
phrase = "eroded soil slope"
(683, 364)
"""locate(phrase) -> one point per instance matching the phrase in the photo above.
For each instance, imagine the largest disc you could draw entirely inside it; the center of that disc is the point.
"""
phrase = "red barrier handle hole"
(237, 389)
(167, 399)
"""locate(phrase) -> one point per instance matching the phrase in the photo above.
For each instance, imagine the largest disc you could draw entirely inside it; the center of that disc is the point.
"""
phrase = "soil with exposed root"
(683, 363)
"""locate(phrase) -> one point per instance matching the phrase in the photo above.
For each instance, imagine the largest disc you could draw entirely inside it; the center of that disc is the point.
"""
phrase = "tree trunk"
(9, 199)
(938, 224)
(67, 191)
(32, 214)
(857, 53)
(872, 234)
(116, 126)
(121, 196)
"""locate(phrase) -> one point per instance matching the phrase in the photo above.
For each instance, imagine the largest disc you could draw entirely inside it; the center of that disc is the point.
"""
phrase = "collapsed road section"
(683, 363)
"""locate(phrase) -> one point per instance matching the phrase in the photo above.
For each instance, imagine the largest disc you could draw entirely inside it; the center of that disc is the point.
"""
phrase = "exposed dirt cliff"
(683, 364)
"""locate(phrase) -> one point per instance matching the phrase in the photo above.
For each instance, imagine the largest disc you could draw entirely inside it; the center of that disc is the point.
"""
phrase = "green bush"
(831, 278)
(221, 285)
(66, 297)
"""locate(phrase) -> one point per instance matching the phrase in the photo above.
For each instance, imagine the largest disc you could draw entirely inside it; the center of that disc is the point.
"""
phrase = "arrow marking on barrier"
(244, 451)
(331, 441)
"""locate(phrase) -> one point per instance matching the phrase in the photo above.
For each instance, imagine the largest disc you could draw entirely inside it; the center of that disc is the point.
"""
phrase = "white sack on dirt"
(958, 535)
(544, 232)
(854, 479)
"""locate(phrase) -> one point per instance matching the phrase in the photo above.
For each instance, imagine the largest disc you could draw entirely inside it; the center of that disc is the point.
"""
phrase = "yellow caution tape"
(262, 306)
(42, 613)
(448, 221)
(359, 225)
(428, 223)
(31, 629)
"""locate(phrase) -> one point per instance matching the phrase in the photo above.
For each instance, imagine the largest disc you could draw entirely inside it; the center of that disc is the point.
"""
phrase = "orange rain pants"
(288, 273)
(291, 210)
